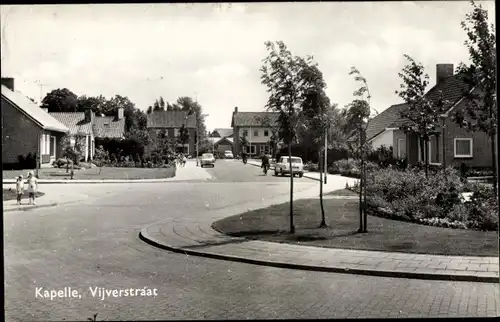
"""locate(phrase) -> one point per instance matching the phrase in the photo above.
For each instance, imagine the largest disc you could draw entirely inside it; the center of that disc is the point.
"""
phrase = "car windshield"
(294, 160)
(207, 156)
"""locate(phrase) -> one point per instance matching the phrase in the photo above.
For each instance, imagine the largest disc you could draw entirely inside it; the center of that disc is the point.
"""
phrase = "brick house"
(172, 121)
(452, 146)
(90, 126)
(27, 130)
(256, 127)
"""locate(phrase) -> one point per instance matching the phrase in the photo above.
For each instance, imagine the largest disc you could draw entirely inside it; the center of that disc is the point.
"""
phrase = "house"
(452, 146)
(172, 121)
(222, 140)
(27, 130)
(256, 127)
(222, 133)
(91, 127)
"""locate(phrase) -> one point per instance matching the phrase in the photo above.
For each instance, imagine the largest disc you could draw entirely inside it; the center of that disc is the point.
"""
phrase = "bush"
(435, 200)
(61, 163)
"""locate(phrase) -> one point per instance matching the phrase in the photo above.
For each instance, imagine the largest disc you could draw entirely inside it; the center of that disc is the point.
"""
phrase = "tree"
(162, 104)
(183, 135)
(149, 110)
(186, 103)
(284, 76)
(73, 148)
(101, 156)
(170, 107)
(423, 114)
(358, 114)
(244, 143)
(60, 100)
(95, 103)
(481, 112)
(156, 106)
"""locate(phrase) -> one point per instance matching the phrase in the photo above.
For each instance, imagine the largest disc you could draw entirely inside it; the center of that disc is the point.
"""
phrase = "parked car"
(228, 155)
(207, 159)
(283, 166)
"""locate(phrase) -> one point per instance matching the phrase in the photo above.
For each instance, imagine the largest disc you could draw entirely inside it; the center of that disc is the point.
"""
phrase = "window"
(462, 148)
(53, 146)
(255, 133)
(251, 149)
(245, 133)
(47, 143)
(400, 148)
(177, 132)
(266, 133)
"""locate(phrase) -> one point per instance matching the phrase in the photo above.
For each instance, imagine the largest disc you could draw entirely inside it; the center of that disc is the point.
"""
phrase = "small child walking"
(19, 189)
(32, 187)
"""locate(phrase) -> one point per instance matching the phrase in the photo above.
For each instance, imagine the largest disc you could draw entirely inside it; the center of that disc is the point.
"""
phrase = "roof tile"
(170, 119)
(109, 127)
(254, 118)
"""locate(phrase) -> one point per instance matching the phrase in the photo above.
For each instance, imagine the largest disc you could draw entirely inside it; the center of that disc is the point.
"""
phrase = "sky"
(213, 52)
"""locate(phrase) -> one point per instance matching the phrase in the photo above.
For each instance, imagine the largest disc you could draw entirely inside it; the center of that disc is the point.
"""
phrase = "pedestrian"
(19, 189)
(184, 160)
(32, 187)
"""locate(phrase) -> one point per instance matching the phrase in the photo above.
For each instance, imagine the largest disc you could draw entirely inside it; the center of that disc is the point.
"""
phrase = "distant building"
(256, 127)
(172, 121)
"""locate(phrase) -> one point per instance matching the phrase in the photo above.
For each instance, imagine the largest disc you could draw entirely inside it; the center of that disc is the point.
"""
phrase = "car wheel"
(275, 173)
(300, 175)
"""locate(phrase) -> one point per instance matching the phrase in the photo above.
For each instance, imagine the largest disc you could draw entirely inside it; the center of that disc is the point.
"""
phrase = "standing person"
(32, 187)
(19, 189)
(184, 160)
(265, 162)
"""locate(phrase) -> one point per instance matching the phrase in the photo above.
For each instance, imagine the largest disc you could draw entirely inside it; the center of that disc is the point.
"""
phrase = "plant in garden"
(423, 115)
(284, 76)
(73, 148)
(481, 111)
(101, 156)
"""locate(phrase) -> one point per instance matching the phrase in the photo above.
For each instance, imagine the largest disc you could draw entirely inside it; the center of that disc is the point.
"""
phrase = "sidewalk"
(54, 198)
(190, 173)
(195, 236)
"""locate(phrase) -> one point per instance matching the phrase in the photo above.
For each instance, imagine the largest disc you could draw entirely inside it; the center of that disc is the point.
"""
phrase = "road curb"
(144, 236)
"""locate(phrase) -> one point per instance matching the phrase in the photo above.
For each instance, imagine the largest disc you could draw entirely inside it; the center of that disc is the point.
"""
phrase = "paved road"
(95, 244)
(236, 171)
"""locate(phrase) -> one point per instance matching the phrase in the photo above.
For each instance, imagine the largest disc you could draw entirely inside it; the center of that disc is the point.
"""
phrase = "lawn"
(93, 174)
(10, 194)
(272, 224)
(342, 192)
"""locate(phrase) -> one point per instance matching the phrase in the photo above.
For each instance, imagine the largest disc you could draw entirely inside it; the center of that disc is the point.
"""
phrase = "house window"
(400, 148)
(462, 148)
(177, 132)
(266, 133)
(245, 133)
(47, 144)
(255, 133)
(251, 149)
(53, 146)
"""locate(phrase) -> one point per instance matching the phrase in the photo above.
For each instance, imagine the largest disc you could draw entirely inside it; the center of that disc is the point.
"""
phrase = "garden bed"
(107, 173)
(272, 224)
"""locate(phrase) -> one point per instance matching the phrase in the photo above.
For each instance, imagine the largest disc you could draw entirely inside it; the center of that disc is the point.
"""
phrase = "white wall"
(256, 139)
(386, 138)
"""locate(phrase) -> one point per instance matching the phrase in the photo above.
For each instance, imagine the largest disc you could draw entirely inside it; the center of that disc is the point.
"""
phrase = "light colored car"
(228, 155)
(207, 159)
(283, 166)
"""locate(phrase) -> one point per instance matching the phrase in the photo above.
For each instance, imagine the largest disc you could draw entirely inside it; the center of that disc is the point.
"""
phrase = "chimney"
(120, 113)
(89, 115)
(236, 109)
(443, 71)
(8, 82)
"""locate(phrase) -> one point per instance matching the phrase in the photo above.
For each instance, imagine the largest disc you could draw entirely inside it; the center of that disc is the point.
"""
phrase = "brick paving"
(95, 243)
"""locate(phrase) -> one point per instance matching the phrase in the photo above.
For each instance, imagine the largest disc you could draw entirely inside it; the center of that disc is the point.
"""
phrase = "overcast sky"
(214, 51)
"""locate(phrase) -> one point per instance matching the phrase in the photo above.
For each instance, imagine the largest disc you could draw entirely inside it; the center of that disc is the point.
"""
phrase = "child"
(184, 160)
(19, 189)
(32, 187)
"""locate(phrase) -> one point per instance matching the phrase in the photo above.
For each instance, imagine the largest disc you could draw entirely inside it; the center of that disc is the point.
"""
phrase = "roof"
(254, 118)
(224, 132)
(230, 140)
(33, 111)
(216, 140)
(170, 119)
(75, 121)
(385, 119)
(109, 127)
(453, 89)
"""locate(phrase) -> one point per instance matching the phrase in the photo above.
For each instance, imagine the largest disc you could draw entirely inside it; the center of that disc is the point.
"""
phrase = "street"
(95, 244)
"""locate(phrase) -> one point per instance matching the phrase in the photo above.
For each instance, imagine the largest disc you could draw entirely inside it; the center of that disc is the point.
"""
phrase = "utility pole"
(326, 154)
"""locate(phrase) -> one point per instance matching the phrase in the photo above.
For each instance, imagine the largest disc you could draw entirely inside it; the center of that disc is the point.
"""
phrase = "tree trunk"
(365, 219)
(292, 227)
(494, 165)
(323, 219)
(361, 184)
(100, 168)
(426, 155)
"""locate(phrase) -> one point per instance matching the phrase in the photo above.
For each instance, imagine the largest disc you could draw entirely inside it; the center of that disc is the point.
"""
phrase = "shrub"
(61, 162)
(482, 208)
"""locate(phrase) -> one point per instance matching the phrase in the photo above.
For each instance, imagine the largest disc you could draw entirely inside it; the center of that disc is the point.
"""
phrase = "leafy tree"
(60, 100)
(101, 156)
(358, 113)
(170, 107)
(285, 78)
(95, 103)
(186, 103)
(162, 104)
(183, 135)
(244, 143)
(423, 114)
(156, 106)
(73, 148)
(481, 112)
(149, 110)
